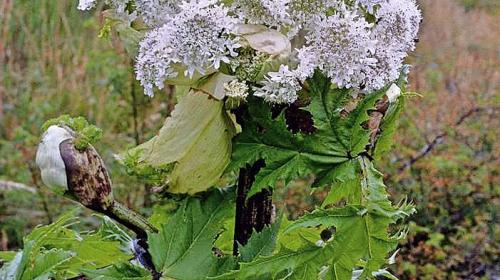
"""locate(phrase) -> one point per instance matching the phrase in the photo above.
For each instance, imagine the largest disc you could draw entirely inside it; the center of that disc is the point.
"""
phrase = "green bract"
(87, 134)
(195, 143)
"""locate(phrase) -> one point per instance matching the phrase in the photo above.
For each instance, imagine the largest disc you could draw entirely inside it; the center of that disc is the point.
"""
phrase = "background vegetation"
(446, 157)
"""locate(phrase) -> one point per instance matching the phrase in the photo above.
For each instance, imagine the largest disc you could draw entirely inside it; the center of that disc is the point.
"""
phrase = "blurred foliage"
(446, 159)
(53, 63)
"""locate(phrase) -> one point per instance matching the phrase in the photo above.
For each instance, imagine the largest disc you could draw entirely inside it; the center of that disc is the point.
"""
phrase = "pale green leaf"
(195, 141)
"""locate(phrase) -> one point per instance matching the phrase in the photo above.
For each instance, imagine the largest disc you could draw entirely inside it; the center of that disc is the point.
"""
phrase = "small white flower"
(308, 62)
(279, 87)
(119, 8)
(157, 12)
(86, 4)
(236, 89)
(370, 4)
(116, 4)
(269, 12)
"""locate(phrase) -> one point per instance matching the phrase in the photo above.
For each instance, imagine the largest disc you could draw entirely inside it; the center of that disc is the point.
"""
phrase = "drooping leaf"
(195, 143)
(183, 247)
(214, 84)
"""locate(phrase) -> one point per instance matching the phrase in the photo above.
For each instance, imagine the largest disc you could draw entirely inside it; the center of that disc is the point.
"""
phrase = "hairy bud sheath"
(82, 176)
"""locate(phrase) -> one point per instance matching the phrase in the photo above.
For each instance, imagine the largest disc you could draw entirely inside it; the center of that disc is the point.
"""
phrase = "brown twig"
(440, 138)
(9, 185)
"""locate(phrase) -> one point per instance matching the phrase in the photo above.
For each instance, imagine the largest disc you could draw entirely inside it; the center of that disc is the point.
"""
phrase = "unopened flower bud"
(80, 174)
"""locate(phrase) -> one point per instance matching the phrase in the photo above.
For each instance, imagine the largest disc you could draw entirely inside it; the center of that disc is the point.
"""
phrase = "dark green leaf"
(183, 247)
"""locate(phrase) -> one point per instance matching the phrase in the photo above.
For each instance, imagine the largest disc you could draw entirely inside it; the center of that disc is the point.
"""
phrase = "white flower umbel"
(197, 37)
(387, 69)
(397, 25)
(279, 87)
(49, 159)
(236, 89)
(157, 12)
(290, 14)
(342, 46)
(395, 33)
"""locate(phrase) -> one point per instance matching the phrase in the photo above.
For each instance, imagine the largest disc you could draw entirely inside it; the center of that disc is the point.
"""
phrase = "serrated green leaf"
(284, 260)
(338, 137)
(44, 265)
(195, 141)
(183, 247)
(388, 128)
(260, 243)
(123, 271)
(57, 251)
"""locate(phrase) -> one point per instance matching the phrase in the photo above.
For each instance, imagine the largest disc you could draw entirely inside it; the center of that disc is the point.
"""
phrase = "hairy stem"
(130, 219)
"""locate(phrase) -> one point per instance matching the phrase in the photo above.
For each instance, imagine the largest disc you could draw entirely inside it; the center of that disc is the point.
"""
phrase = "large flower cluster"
(342, 47)
(197, 38)
(358, 44)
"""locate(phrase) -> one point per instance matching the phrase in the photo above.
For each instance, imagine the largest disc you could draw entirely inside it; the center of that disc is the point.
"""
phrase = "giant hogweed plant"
(270, 91)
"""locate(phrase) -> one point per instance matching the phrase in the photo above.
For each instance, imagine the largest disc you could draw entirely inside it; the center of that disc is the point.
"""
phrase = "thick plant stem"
(251, 213)
(141, 227)
(130, 219)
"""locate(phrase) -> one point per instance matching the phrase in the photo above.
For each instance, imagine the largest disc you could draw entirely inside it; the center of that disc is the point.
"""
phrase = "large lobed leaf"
(183, 247)
(338, 137)
(361, 240)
